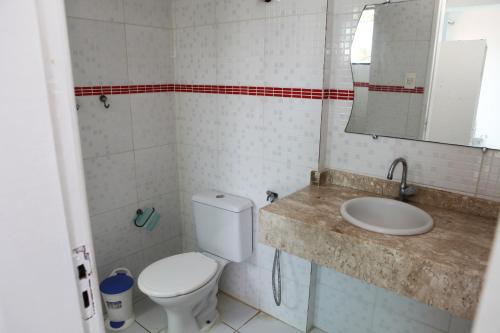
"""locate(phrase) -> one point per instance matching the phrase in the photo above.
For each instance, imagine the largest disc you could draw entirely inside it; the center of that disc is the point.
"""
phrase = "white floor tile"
(150, 315)
(221, 328)
(263, 323)
(234, 313)
(134, 328)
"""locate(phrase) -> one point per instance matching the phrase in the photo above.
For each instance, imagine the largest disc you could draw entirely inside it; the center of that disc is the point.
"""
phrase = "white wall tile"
(236, 10)
(409, 308)
(156, 170)
(294, 51)
(155, 13)
(153, 118)
(150, 55)
(240, 53)
(97, 52)
(241, 121)
(105, 131)
(195, 57)
(115, 235)
(110, 182)
(388, 322)
(193, 12)
(109, 10)
(489, 179)
(458, 325)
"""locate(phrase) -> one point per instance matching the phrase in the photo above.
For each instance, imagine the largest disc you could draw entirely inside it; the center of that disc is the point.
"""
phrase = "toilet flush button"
(219, 196)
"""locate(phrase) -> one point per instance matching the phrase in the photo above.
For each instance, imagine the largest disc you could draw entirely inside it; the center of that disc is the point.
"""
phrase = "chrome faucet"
(405, 190)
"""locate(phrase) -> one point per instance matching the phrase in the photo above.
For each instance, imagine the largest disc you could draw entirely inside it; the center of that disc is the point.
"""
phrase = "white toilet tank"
(223, 224)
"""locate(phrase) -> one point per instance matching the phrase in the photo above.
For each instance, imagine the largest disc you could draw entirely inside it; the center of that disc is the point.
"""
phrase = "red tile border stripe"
(337, 94)
(387, 88)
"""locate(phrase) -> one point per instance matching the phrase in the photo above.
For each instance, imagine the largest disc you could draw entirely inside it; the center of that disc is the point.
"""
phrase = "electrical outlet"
(410, 81)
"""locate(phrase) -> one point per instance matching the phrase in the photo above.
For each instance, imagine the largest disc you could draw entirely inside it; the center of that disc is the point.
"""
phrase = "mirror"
(428, 70)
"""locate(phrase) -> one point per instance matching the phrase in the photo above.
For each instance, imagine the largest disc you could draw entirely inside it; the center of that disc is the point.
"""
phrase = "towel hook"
(104, 99)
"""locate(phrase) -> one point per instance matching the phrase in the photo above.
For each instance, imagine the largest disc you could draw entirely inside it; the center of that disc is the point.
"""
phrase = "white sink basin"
(386, 216)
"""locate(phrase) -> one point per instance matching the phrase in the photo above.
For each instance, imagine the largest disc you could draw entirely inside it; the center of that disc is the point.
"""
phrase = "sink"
(386, 216)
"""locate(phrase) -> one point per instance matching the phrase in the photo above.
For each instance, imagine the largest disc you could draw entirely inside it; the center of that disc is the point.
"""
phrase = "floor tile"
(150, 315)
(221, 328)
(263, 323)
(233, 312)
(134, 328)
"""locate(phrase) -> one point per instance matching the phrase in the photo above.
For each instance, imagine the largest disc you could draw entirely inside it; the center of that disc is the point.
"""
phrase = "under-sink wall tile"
(294, 301)
(353, 288)
(110, 182)
(109, 10)
(149, 54)
(458, 325)
(156, 170)
(405, 307)
(105, 131)
(336, 311)
(97, 52)
(389, 322)
(153, 118)
(154, 13)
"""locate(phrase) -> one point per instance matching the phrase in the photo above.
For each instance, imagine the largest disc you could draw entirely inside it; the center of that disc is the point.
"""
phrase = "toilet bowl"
(186, 285)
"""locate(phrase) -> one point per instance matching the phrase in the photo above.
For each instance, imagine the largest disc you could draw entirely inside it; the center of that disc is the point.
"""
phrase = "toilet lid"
(177, 275)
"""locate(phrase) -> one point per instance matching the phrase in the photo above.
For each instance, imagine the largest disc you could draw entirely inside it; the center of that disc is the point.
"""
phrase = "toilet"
(186, 285)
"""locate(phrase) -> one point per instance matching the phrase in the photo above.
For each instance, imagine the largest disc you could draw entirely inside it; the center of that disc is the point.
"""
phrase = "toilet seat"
(177, 275)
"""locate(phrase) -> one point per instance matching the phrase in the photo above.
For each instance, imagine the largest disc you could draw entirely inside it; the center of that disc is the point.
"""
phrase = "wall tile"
(489, 179)
(241, 125)
(195, 57)
(156, 171)
(169, 226)
(236, 10)
(155, 13)
(105, 131)
(97, 52)
(336, 311)
(197, 168)
(197, 119)
(189, 13)
(153, 119)
(240, 53)
(115, 235)
(150, 55)
(294, 51)
(406, 307)
(110, 182)
(388, 322)
(110, 10)
(458, 325)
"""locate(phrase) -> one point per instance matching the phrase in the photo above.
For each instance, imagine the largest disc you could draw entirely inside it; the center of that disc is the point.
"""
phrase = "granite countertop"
(443, 267)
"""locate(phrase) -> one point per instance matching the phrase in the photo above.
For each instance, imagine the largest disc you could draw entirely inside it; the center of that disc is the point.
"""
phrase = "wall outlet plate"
(410, 80)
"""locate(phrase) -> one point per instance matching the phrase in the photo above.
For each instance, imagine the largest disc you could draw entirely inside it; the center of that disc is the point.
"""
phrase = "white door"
(43, 211)
(455, 91)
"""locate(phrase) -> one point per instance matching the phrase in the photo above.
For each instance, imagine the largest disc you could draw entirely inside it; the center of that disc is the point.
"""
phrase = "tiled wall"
(347, 305)
(248, 144)
(129, 149)
(459, 169)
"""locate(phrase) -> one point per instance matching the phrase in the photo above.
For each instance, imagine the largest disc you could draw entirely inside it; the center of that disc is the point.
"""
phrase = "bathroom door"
(45, 230)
